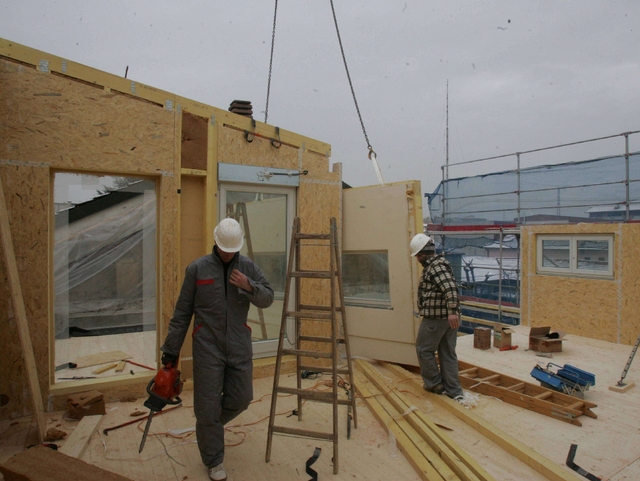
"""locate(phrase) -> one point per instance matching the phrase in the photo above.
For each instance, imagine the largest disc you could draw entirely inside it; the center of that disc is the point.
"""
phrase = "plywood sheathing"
(52, 122)
(194, 142)
(317, 203)
(597, 308)
(26, 196)
(233, 148)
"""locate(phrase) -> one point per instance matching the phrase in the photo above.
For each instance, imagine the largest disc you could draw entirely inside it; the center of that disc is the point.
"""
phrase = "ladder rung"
(299, 235)
(310, 315)
(302, 432)
(491, 378)
(469, 371)
(516, 387)
(543, 395)
(300, 352)
(575, 405)
(324, 370)
(306, 307)
(313, 274)
(316, 339)
(320, 396)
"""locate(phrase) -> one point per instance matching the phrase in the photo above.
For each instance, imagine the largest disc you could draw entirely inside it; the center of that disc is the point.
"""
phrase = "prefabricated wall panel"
(604, 308)
(56, 115)
(385, 333)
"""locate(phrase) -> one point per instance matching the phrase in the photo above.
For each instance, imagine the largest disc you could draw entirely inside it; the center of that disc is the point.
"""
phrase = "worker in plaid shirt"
(439, 306)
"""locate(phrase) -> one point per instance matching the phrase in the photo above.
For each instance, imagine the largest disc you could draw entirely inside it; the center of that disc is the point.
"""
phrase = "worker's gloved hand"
(169, 359)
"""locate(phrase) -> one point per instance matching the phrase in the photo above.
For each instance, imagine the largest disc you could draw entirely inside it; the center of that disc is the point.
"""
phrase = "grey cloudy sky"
(522, 74)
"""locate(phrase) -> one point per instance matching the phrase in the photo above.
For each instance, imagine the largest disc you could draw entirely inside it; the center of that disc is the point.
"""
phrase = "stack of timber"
(431, 452)
(377, 397)
(523, 394)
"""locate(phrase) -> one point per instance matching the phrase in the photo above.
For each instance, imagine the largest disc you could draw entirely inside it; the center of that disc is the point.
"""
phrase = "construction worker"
(216, 292)
(439, 306)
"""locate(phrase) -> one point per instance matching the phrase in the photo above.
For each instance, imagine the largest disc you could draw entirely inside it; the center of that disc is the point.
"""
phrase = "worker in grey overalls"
(216, 292)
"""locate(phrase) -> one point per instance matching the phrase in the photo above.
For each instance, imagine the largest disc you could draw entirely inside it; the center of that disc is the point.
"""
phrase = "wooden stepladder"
(329, 346)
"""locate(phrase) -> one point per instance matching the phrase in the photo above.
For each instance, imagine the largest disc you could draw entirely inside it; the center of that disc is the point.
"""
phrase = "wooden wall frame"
(64, 116)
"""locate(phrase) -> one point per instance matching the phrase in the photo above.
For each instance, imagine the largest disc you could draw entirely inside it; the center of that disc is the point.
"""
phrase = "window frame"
(371, 303)
(573, 270)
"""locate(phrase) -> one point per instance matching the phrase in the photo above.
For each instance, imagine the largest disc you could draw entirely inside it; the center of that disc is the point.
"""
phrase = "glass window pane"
(263, 218)
(104, 269)
(555, 253)
(593, 255)
(365, 276)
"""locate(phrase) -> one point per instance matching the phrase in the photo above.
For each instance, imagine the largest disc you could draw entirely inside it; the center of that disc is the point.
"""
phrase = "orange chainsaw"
(163, 389)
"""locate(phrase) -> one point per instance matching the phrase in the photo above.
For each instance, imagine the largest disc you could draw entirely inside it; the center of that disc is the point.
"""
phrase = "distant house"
(617, 212)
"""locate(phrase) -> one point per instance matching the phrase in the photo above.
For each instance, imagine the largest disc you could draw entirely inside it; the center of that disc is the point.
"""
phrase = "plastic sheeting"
(92, 247)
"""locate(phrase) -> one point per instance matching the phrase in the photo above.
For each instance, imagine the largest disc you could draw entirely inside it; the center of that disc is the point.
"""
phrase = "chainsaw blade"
(146, 430)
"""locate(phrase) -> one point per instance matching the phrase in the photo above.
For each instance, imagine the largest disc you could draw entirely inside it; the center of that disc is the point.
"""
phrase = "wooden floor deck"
(608, 446)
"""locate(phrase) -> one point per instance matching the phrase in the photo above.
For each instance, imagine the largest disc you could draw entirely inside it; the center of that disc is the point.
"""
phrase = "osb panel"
(630, 267)
(234, 149)
(317, 203)
(195, 130)
(26, 191)
(317, 166)
(51, 121)
(582, 306)
(71, 125)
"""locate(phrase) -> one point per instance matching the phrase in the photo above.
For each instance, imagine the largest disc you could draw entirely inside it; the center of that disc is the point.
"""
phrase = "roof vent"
(241, 107)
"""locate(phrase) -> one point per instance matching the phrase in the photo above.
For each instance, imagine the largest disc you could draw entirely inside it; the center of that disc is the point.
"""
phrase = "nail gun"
(163, 389)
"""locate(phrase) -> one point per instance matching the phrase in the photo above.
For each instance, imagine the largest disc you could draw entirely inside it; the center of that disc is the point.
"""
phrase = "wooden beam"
(542, 465)
(21, 315)
(463, 465)
(80, 437)
(416, 458)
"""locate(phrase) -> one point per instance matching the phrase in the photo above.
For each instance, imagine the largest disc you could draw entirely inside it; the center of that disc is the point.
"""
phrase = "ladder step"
(313, 274)
(516, 387)
(491, 378)
(317, 396)
(300, 235)
(302, 432)
(326, 316)
(305, 307)
(315, 339)
(543, 395)
(469, 371)
(324, 370)
(301, 352)
(575, 405)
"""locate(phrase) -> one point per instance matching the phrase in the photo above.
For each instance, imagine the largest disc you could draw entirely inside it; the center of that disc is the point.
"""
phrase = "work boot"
(437, 389)
(217, 473)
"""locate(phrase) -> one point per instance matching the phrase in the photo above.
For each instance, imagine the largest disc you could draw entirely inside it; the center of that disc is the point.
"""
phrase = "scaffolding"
(476, 219)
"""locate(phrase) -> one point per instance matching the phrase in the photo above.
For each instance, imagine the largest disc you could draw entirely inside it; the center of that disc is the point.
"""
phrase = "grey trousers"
(435, 335)
(220, 394)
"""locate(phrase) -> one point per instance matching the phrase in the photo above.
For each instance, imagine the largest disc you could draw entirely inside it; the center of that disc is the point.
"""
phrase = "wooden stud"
(21, 315)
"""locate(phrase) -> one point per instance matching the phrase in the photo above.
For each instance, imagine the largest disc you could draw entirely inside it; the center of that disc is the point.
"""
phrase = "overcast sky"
(522, 74)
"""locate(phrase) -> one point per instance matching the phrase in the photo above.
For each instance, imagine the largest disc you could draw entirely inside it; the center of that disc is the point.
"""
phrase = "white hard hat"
(228, 235)
(420, 242)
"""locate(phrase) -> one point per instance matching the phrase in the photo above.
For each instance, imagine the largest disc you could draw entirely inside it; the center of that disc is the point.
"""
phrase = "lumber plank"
(101, 358)
(465, 467)
(102, 369)
(21, 316)
(416, 458)
(80, 437)
(536, 461)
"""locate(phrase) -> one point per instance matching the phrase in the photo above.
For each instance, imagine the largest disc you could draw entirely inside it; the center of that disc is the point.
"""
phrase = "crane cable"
(372, 154)
(273, 42)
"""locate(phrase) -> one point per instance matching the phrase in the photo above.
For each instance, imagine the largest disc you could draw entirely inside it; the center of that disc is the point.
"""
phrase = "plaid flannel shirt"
(437, 290)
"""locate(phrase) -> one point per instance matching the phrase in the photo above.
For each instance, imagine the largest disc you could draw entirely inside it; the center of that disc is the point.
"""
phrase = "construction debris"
(85, 404)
